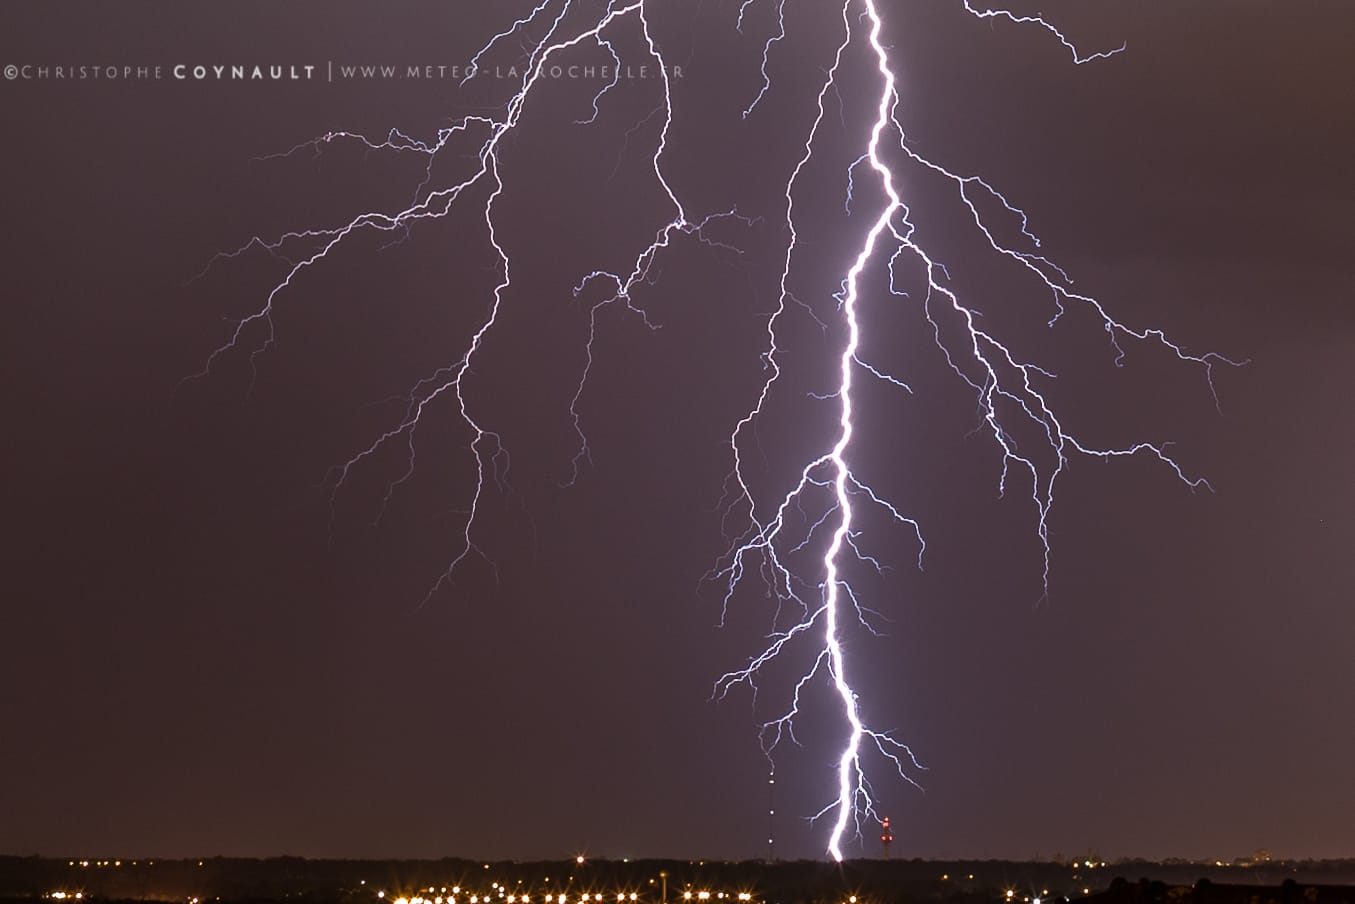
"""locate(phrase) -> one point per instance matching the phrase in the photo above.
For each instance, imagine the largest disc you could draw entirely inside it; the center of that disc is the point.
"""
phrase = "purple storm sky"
(200, 657)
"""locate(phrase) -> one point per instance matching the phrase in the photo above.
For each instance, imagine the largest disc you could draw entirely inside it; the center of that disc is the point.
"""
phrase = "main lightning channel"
(852, 786)
(849, 766)
(1007, 387)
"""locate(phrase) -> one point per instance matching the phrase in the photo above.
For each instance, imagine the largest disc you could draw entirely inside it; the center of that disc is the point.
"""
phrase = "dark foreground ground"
(453, 881)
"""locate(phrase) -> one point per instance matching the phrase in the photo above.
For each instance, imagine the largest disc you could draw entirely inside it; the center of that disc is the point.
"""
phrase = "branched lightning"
(976, 356)
(817, 515)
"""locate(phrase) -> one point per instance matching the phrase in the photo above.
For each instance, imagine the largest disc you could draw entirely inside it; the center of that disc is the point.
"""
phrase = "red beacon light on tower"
(886, 836)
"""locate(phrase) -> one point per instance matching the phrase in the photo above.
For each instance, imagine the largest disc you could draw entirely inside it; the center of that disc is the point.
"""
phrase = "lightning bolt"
(816, 517)
(1007, 388)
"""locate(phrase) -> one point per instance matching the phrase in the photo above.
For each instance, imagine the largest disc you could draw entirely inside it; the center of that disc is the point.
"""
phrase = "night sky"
(205, 651)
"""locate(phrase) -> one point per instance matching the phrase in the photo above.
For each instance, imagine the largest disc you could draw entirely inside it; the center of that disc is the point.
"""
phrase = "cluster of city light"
(64, 895)
(98, 863)
(517, 898)
(498, 892)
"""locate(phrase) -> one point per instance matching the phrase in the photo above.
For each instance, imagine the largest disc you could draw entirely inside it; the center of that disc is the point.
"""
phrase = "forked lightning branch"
(821, 508)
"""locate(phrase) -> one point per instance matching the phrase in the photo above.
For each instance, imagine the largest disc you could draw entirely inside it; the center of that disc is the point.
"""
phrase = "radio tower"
(886, 836)
(771, 816)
